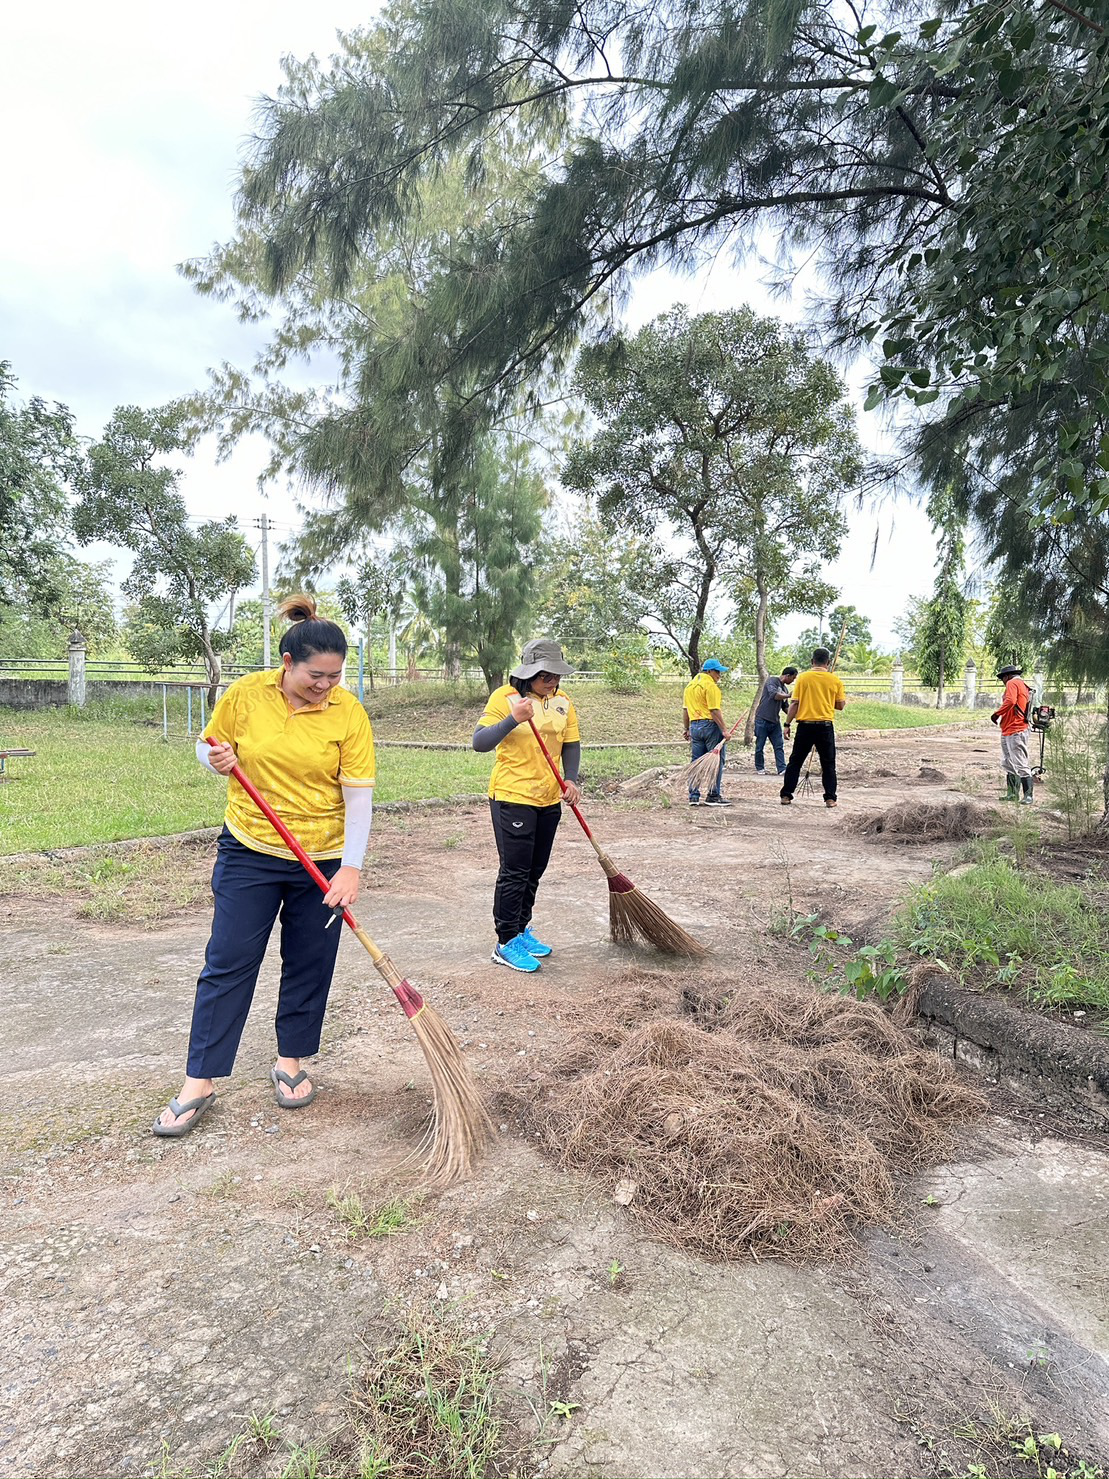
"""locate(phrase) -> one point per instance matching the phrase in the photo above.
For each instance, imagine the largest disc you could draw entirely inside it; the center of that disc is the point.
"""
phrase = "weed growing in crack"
(392, 1217)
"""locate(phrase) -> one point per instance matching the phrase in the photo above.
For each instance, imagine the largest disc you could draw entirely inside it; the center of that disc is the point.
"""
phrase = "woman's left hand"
(572, 793)
(343, 890)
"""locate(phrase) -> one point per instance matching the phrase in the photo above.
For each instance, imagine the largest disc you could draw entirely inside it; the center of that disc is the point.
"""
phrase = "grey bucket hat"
(541, 655)
(1009, 671)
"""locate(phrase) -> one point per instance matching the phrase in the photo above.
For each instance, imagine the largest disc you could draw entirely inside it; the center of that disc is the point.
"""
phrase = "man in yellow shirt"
(704, 724)
(816, 697)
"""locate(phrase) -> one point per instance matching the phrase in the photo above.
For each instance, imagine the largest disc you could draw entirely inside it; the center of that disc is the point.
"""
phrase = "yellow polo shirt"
(702, 696)
(816, 692)
(521, 773)
(299, 759)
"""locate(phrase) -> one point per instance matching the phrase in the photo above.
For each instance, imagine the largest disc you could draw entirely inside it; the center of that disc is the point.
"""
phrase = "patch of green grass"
(425, 1405)
(143, 885)
(395, 1216)
(105, 773)
(999, 925)
(873, 714)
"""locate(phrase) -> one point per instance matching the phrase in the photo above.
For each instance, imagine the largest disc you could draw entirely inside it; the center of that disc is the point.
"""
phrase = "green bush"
(625, 671)
(997, 925)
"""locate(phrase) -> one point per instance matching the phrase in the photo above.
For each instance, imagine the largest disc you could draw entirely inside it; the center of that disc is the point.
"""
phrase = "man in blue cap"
(704, 724)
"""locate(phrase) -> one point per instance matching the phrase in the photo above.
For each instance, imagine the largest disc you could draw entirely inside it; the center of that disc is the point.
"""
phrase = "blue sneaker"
(514, 956)
(531, 944)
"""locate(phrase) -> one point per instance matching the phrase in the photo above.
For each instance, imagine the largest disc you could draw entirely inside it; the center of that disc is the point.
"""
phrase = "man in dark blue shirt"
(773, 699)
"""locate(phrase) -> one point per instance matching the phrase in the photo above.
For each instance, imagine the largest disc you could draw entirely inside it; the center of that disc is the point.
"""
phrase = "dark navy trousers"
(251, 889)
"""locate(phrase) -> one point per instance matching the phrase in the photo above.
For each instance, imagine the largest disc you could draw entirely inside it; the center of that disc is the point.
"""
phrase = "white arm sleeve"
(359, 804)
(203, 750)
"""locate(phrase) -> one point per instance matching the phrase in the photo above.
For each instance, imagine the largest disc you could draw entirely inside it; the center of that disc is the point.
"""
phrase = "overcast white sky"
(123, 123)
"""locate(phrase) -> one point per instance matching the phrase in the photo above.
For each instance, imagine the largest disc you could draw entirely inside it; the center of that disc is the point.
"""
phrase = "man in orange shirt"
(1013, 717)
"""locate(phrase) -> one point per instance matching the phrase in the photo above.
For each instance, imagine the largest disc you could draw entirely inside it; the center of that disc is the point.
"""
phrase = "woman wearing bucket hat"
(524, 797)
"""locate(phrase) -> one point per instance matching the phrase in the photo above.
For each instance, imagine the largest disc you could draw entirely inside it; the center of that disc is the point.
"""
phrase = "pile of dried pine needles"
(771, 1121)
(927, 821)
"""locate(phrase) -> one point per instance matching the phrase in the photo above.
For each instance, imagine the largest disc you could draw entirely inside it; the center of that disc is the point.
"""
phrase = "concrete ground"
(154, 1292)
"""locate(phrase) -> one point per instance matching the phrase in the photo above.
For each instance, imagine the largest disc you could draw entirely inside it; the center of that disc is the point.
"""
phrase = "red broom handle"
(287, 837)
(561, 782)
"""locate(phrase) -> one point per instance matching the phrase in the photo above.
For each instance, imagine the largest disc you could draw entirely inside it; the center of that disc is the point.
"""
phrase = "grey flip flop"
(174, 1132)
(285, 1102)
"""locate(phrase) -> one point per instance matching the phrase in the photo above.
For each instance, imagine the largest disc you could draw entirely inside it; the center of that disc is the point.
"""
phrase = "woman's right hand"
(222, 758)
(521, 708)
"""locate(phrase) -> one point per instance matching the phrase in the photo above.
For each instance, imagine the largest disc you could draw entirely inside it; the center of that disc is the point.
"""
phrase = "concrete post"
(77, 694)
(897, 683)
(970, 685)
(1039, 685)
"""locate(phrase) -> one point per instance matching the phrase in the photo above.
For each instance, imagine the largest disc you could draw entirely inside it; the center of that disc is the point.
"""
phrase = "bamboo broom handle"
(562, 788)
(376, 954)
(720, 743)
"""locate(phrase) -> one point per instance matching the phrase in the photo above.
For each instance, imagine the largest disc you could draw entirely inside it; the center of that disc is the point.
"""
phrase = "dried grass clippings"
(768, 1121)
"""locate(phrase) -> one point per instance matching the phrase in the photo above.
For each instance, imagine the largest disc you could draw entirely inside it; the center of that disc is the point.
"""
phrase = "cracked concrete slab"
(155, 1292)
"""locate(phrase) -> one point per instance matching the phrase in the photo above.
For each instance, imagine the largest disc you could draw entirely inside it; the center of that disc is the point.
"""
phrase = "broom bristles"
(632, 913)
(700, 775)
(460, 1124)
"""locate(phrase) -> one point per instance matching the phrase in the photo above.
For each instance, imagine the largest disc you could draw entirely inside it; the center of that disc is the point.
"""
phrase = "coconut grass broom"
(460, 1123)
(700, 775)
(630, 911)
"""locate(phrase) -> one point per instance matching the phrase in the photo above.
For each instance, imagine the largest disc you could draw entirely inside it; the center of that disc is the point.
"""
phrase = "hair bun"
(300, 607)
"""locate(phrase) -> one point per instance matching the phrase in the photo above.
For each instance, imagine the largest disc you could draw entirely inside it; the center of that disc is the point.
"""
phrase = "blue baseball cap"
(712, 666)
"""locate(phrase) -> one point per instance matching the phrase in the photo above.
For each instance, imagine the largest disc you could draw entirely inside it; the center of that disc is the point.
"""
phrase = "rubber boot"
(1029, 790)
(1013, 791)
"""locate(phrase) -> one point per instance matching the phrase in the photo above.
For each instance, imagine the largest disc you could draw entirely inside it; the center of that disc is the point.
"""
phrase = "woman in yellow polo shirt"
(306, 744)
(524, 797)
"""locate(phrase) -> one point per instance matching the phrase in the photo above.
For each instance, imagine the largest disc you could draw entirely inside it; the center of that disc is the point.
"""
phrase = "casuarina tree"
(943, 628)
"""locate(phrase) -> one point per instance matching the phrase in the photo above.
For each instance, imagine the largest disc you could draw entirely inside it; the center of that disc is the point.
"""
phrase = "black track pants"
(821, 737)
(525, 836)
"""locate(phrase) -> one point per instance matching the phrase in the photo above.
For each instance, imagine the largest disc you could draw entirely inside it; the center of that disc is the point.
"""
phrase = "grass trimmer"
(630, 911)
(460, 1124)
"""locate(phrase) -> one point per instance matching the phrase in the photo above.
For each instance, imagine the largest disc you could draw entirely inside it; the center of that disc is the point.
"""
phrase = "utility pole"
(263, 523)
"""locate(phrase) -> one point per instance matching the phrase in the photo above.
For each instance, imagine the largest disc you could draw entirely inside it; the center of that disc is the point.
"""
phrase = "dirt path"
(157, 1291)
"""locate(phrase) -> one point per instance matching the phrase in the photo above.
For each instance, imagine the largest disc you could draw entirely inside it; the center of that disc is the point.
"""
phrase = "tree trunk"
(760, 656)
(939, 686)
(1104, 823)
(215, 668)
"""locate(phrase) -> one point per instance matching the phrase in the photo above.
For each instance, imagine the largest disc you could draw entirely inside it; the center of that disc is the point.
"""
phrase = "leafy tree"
(80, 596)
(848, 620)
(943, 628)
(39, 459)
(594, 588)
(128, 499)
(421, 641)
(729, 447)
(377, 590)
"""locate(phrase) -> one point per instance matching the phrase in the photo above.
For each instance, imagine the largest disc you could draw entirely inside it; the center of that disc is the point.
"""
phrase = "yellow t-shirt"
(521, 773)
(299, 759)
(702, 696)
(815, 693)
